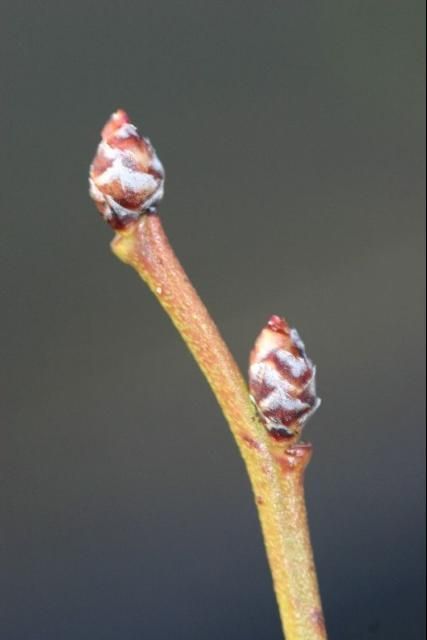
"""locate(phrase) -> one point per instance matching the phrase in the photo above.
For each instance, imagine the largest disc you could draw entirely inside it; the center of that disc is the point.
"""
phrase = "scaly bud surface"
(282, 379)
(126, 177)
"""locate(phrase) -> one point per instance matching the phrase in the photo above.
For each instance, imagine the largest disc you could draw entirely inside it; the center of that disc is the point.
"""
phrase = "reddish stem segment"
(276, 474)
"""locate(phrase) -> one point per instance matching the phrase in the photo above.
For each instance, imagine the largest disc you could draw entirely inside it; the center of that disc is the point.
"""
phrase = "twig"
(276, 471)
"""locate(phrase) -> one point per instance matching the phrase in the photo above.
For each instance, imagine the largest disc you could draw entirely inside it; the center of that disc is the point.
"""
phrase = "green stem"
(276, 474)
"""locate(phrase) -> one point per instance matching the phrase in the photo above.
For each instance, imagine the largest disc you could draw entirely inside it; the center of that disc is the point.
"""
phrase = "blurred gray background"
(293, 137)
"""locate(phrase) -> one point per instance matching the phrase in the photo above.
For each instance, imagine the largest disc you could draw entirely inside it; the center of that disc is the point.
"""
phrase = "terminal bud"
(126, 177)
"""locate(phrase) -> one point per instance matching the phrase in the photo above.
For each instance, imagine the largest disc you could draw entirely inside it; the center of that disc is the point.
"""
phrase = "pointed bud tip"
(126, 177)
(278, 324)
(114, 123)
(282, 379)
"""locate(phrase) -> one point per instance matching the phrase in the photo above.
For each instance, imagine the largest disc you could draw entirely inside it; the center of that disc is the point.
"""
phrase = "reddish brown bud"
(282, 379)
(126, 177)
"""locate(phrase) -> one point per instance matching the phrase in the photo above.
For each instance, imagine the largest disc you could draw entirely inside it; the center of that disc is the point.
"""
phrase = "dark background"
(293, 138)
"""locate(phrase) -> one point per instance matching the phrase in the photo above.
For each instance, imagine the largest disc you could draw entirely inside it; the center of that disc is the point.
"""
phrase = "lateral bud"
(282, 380)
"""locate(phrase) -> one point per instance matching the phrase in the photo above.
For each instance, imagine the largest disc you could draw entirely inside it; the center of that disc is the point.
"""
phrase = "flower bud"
(282, 379)
(126, 177)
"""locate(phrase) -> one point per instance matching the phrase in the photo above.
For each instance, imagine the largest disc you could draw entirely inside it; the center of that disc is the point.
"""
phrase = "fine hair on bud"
(282, 379)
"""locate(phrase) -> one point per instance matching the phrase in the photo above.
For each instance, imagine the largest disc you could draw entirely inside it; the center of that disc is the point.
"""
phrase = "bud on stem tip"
(126, 177)
(282, 380)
